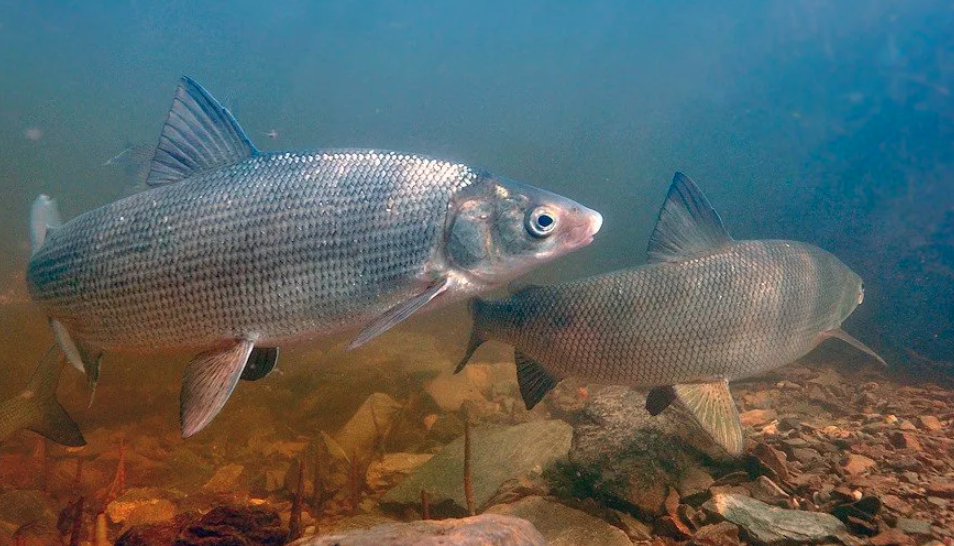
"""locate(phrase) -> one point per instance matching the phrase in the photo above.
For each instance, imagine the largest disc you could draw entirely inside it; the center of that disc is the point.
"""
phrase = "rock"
(161, 511)
(498, 454)
(449, 390)
(694, 481)
(771, 526)
(561, 525)
(225, 479)
(622, 452)
(912, 526)
(929, 423)
(150, 535)
(149, 502)
(769, 492)
(757, 417)
(25, 506)
(905, 440)
(368, 426)
(357, 521)
(857, 464)
(720, 534)
(390, 469)
(891, 537)
(773, 459)
(941, 489)
(482, 530)
(235, 525)
(634, 529)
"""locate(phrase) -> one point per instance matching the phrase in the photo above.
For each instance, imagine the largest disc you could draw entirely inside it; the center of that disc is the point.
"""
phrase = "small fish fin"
(838, 333)
(712, 406)
(261, 362)
(85, 359)
(398, 314)
(208, 381)
(688, 226)
(44, 215)
(199, 135)
(44, 414)
(659, 399)
(534, 381)
(475, 340)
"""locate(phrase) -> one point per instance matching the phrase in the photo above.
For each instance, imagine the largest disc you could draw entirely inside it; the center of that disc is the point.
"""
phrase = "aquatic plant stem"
(77, 530)
(318, 485)
(425, 505)
(294, 521)
(468, 490)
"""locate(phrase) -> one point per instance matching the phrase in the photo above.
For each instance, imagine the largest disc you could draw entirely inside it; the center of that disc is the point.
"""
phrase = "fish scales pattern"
(732, 314)
(271, 247)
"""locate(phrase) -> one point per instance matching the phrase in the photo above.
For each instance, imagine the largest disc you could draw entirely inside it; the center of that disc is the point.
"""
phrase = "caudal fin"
(36, 407)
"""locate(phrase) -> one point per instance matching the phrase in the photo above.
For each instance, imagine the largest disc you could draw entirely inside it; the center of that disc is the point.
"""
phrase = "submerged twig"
(39, 457)
(100, 531)
(76, 531)
(118, 487)
(425, 505)
(468, 490)
(294, 521)
(318, 484)
(354, 488)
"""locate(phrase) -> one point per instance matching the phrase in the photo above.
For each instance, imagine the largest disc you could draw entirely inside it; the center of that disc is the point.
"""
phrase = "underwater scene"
(477, 273)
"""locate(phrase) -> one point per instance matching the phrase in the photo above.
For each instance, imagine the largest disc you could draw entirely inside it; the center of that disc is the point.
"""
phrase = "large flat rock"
(498, 454)
(561, 525)
(772, 526)
(483, 530)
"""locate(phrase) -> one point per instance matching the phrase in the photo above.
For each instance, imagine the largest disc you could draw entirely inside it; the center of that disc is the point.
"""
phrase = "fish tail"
(36, 407)
(475, 340)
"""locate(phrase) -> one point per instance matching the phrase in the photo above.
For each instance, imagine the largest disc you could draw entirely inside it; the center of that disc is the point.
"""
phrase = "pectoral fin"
(712, 406)
(82, 358)
(398, 313)
(208, 381)
(534, 381)
(838, 333)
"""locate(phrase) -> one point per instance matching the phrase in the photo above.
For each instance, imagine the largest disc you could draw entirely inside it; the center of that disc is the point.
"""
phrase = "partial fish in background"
(233, 251)
(36, 408)
(706, 310)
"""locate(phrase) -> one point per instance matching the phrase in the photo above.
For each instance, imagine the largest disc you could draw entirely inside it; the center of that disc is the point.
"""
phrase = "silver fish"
(37, 409)
(706, 310)
(234, 251)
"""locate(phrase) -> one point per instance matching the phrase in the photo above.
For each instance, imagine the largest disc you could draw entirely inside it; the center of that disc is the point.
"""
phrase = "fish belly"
(278, 246)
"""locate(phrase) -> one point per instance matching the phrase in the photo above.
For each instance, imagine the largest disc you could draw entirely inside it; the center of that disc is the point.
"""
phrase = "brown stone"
(941, 489)
(857, 464)
(720, 534)
(905, 440)
(891, 537)
(929, 422)
(757, 417)
(773, 459)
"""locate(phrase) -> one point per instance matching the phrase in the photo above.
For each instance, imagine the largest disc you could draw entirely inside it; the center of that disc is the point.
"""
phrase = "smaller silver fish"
(36, 408)
(706, 310)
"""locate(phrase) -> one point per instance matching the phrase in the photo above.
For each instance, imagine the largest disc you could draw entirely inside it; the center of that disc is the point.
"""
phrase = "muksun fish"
(706, 310)
(37, 409)
(233, 251)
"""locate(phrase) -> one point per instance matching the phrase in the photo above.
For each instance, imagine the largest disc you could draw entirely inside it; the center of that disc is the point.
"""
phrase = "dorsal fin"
(688, 226)
(199, 135)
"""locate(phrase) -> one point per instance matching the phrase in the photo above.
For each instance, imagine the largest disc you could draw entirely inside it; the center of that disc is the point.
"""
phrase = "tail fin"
(36, 407)
(43, 216)
(475, 339)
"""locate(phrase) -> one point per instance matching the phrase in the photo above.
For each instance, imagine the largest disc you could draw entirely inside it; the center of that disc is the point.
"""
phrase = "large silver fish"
(704, 311)
(36, 407)
(234, 251)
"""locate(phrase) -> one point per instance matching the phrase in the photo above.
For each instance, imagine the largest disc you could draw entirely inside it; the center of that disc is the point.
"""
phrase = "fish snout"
(585, 223)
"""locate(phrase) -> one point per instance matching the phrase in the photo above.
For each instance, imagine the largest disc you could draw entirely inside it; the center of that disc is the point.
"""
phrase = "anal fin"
(208, 382)
(534, 381)
(83, 358)
(712, 406)
(399, 313)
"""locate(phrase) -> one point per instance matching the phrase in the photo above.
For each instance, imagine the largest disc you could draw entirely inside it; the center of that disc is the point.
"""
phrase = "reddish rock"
(941, 489)
(905, 440)
(773, 459)
(720, 534)
(891, 537)
(929, 422)
(857, 464)
(757, 417)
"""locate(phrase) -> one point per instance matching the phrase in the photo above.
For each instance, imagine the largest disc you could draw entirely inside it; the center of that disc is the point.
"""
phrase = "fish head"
(499, 229)
(850, 292)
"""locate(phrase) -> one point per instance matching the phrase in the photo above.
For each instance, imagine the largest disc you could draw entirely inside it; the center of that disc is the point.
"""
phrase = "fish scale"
(676, 323)
(293, 241)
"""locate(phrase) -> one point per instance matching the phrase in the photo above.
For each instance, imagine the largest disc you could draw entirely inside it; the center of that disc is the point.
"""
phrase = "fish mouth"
(584, 234)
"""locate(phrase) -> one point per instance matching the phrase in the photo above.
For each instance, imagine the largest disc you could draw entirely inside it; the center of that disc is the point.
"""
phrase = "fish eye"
(540, 222)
